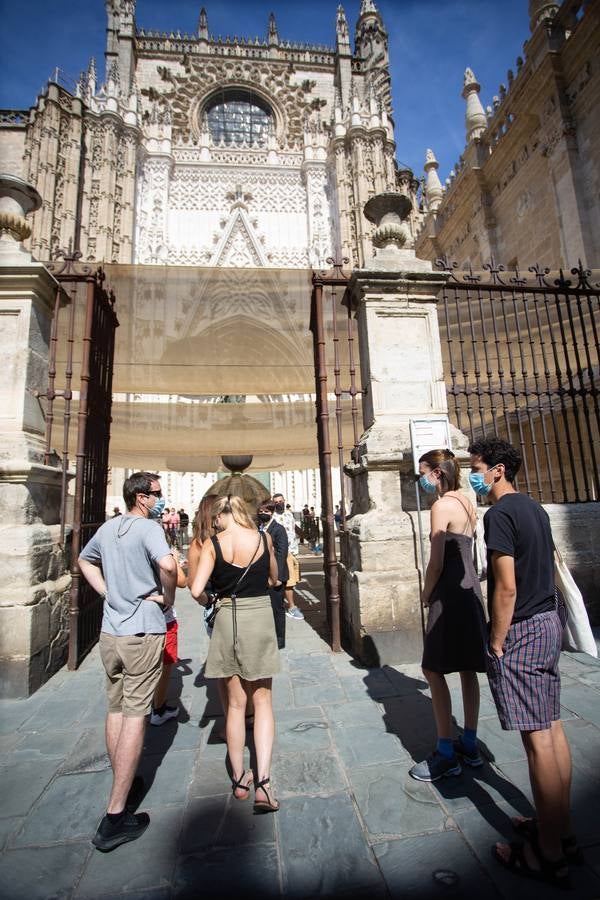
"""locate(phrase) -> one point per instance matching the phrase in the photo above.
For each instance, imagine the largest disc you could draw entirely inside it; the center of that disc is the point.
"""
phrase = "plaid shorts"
(525, 681)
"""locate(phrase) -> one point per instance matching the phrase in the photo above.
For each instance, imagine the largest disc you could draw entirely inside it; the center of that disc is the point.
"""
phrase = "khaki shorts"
(133, 665)
(294, 570)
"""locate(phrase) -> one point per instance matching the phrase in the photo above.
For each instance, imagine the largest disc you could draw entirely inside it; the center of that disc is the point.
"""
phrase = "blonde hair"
(445, 461)
(236, 507)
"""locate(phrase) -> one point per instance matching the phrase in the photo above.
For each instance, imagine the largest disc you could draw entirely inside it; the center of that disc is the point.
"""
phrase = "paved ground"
(352, 822)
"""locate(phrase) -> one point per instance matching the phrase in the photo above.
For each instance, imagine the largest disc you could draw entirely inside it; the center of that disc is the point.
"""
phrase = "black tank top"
(225, 574)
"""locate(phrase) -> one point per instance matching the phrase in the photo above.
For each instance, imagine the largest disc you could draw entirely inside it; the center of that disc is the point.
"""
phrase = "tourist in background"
(286, 518)
(455, 635)
(161, 711)
(280, 546)
(243, 648)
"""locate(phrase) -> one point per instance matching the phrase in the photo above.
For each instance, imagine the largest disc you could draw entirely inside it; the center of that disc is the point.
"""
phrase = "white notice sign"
(432, 433)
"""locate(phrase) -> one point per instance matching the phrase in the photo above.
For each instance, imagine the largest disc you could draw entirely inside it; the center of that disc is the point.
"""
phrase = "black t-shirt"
(518, 526)
(184, 520)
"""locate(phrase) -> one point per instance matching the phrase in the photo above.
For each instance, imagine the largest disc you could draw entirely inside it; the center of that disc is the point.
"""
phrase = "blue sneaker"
(472, 758)
(435, 767)
(294, 613)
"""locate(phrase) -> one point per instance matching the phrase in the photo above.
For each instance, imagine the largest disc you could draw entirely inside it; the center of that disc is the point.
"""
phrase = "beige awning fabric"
(211, 362)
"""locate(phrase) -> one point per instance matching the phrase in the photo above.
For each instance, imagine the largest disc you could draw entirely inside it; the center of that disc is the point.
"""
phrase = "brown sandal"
(268, 805)
(241, 785)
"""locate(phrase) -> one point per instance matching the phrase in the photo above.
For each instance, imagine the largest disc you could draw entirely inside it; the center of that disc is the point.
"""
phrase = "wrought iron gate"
(335, 349)
(521, 360)
(91, 307)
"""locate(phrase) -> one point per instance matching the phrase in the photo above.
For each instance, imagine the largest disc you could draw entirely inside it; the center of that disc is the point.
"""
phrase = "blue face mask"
(427, 486)
(156, 511)
(476, 480)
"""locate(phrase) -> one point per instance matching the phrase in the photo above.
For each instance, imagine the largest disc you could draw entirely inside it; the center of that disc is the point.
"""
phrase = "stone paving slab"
(352, 822)
(431, 866)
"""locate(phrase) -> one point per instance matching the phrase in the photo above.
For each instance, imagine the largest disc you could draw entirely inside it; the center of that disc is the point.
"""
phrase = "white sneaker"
(168, 712)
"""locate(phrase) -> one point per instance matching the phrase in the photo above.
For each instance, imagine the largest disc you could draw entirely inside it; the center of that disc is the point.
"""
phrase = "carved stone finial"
(433, 186)
(388, 211)
(367, 6)
(273, 38)
(203, 25)
(17, 200)
(475, 118)
(341, 23)
(541, 11)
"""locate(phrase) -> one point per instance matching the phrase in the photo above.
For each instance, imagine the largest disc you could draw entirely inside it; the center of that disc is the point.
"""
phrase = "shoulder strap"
(264, 537)
(245, 572)
(468, 512)
(217, 546)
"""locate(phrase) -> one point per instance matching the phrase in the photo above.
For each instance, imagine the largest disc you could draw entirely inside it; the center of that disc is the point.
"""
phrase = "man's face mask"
(263, 515)
(154, 512)
(479, 484)
(279, 507)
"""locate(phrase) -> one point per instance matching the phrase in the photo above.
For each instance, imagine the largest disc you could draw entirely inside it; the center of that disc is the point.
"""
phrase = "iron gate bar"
(82, 415)
(93, 433)
(333, 279)
(540, 379)
(332, 593)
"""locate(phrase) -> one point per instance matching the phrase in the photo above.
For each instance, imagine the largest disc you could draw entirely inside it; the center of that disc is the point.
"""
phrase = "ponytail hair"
(446, 462)
(236, 507)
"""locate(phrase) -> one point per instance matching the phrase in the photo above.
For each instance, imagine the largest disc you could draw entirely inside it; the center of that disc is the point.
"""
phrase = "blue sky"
(431, 44)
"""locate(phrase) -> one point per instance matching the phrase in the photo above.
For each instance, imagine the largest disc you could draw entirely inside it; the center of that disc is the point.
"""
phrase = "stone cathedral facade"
(197, 151)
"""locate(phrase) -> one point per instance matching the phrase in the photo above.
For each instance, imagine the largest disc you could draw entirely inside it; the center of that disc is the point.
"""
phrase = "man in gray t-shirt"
(129, 562)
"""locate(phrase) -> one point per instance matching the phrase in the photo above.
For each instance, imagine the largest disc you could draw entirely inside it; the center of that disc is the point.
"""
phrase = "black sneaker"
(472, 758)
(129, 828)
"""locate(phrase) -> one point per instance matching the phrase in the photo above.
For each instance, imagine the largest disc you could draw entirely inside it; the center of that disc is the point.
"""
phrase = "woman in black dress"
(456, 632)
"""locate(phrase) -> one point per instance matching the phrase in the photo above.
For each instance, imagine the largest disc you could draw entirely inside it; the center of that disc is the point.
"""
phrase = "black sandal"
(268, 805)
(548, 871)
(239, 785)
(527, 828)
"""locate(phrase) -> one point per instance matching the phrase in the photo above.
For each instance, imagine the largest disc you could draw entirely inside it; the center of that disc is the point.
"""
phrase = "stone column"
(34, 585)
(394, 297)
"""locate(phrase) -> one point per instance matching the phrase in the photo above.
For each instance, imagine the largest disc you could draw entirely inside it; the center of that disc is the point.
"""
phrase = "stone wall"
(525, 190)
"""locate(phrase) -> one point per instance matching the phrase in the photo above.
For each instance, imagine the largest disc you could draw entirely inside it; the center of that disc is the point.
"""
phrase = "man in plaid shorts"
(522, 659)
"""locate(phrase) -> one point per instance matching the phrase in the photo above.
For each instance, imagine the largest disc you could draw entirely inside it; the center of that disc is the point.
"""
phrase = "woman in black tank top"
(455, 634)
(243, 648)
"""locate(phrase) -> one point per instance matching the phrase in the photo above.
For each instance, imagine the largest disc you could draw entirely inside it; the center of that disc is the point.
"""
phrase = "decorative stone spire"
(370, 34)
(91, 78)
(475, 118)
(541, 11)
(273, 36)
(203, 25)
(342, 35)
(433, 186)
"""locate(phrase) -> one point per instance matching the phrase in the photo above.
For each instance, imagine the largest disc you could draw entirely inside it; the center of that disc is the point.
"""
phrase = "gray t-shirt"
(128, 549)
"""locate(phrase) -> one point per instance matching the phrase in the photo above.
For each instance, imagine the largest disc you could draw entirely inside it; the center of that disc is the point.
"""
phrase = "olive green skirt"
(243, 641)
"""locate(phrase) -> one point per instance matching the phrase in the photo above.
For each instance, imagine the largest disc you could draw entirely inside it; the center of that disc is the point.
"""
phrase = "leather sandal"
(268, 805)
(518, 863)
(242, 785)
(527, 828)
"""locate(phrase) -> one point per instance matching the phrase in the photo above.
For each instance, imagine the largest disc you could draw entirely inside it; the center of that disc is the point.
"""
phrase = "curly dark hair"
(493, 451)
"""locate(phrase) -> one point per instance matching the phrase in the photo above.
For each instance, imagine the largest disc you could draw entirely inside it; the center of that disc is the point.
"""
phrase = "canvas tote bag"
(578, 633)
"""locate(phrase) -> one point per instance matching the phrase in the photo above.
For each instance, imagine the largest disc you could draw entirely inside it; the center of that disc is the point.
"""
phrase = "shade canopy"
(211, 362)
